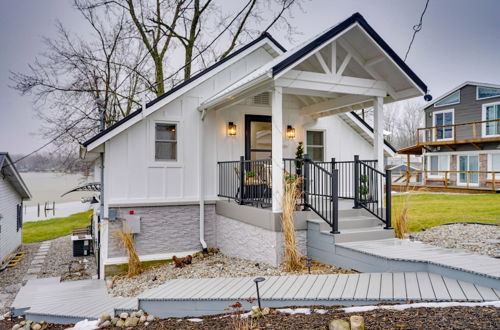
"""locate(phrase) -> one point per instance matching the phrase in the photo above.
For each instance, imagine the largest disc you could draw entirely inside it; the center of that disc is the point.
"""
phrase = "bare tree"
(129, 56)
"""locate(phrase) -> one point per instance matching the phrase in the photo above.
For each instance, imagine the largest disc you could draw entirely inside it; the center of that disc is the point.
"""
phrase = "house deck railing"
(321, 184)
(449, 178)
(473, 132)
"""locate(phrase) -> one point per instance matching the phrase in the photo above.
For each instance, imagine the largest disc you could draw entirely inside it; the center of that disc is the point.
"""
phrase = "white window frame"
(478, 167)
(490, 167)
(152, 141)
(314, 145)
(434, 124)
(483, 116)
(484, 98)
(448, 104)
(429, 170)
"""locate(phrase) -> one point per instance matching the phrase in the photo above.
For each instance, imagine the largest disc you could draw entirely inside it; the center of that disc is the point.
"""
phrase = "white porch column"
(378, 132)
(277, 147)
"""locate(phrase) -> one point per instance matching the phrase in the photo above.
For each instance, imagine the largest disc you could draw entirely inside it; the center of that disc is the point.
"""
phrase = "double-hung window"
(165, 142)
(443, 121)
(437, 164)
(491, 114)
(315, 145)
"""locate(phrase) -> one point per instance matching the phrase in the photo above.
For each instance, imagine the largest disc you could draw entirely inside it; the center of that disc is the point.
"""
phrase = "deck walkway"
(475, 268)
(73, 301)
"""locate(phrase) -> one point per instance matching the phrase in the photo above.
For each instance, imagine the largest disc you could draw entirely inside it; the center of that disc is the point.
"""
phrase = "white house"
(13, 192)
(175, 163)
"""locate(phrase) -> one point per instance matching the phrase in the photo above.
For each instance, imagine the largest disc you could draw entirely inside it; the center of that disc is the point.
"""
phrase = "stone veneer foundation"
(164, 229)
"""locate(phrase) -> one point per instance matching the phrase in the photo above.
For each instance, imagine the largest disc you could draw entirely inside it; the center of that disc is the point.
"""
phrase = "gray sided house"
(461, 138)
(13, 192)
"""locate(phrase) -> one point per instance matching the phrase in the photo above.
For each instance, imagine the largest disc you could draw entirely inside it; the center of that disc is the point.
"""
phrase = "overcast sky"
(460, 41)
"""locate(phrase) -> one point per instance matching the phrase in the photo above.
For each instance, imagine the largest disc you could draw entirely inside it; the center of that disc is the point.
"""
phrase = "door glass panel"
(444, 119)
(259, 139)
(434, 164)
(493, 113)
(473, 166)
(462, 166)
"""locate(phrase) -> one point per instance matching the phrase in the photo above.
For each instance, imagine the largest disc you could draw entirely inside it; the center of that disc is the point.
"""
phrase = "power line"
(417, 28)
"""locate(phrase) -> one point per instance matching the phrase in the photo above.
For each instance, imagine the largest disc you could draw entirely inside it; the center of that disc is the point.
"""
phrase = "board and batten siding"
(10, 238)
(132, 174)
(468, 110)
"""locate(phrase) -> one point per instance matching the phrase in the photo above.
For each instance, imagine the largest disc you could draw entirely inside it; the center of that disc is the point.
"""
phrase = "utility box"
(133, 222)
(82, 245)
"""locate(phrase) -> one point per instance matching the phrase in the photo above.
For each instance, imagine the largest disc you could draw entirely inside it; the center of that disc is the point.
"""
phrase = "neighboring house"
(13, 192)
(402, 173)
(176, 162)
(461, 139)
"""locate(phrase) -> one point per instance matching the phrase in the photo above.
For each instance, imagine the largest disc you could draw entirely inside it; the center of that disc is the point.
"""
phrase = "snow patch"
(85, 325)
(292, 311)
(320, 311)
(195, 320)
(401, 307)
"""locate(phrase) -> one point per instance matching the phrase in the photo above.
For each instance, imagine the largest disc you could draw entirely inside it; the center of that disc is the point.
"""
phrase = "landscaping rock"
(114, 320)
(104, 317)
(16, 327)
(142, 319)
(6, 316)
(357, 322)
(36, 326)
(150, 318)
(266, 311)
(131, 321)
(105, 324)
(120, 323)
(339, 324)
(139, 313)
(123, 316)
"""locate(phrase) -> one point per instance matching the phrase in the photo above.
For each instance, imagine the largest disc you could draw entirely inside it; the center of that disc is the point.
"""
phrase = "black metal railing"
(321, 192)
(372, 190)
(246, 181)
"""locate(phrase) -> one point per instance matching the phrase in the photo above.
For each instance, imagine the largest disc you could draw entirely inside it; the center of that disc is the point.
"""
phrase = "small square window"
(166, 142)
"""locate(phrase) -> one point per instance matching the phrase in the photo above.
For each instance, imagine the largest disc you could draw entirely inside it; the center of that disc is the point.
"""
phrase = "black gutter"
(355, 18)
(371, 129)
(185, 83)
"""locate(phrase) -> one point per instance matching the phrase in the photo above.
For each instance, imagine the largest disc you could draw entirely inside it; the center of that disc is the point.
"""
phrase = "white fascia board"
(390, 59)
(370, 133)
(178, 93)
(317, 49)
(18, 178)
(205, 77)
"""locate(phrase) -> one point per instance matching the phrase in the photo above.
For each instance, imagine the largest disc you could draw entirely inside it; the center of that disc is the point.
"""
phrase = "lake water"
(47, 187)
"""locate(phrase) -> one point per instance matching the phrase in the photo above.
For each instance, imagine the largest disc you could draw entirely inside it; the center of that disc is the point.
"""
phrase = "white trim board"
(483, 117)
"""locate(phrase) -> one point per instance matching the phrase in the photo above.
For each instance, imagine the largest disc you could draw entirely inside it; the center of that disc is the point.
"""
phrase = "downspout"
(201, 180)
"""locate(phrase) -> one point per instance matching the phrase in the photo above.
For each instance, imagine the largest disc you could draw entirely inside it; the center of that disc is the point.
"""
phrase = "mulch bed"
(417, 318)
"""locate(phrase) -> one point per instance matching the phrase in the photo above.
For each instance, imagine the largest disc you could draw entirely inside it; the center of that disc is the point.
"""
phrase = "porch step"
(351, 222)
(363, 234)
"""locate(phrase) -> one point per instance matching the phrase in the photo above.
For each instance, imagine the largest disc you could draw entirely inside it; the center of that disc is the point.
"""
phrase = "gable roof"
(334, 31)
(462, 85)
(10, 173)
(186, 83)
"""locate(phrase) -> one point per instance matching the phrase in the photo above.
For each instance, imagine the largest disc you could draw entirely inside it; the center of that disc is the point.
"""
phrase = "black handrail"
(321, 192)
(369, 187)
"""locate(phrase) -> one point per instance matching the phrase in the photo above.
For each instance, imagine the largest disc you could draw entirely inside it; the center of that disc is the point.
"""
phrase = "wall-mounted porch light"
(290, 132)
(231, 129)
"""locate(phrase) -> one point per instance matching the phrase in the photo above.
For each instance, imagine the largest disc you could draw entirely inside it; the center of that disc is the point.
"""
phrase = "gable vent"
(261, 99)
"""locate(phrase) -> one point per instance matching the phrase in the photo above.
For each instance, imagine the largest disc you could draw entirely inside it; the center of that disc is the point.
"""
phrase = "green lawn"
(49, 229)
(429, 210)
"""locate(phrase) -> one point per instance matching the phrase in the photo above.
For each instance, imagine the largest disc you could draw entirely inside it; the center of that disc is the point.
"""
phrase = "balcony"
(475, 133)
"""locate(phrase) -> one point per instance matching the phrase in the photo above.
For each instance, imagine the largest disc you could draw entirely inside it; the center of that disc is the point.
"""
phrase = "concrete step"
(351, 222)
(363, 234)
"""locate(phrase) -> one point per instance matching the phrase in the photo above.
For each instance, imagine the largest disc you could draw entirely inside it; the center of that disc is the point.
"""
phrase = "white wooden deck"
(72, 301)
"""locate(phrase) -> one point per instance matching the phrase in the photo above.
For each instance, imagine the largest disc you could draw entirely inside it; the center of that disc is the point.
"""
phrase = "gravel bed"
(475, 238)
(413, 318)
(213, 265)
(11, 279)
(60, 262)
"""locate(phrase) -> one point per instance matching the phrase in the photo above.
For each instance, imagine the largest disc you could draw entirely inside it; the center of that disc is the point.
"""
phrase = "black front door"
(258, 137)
